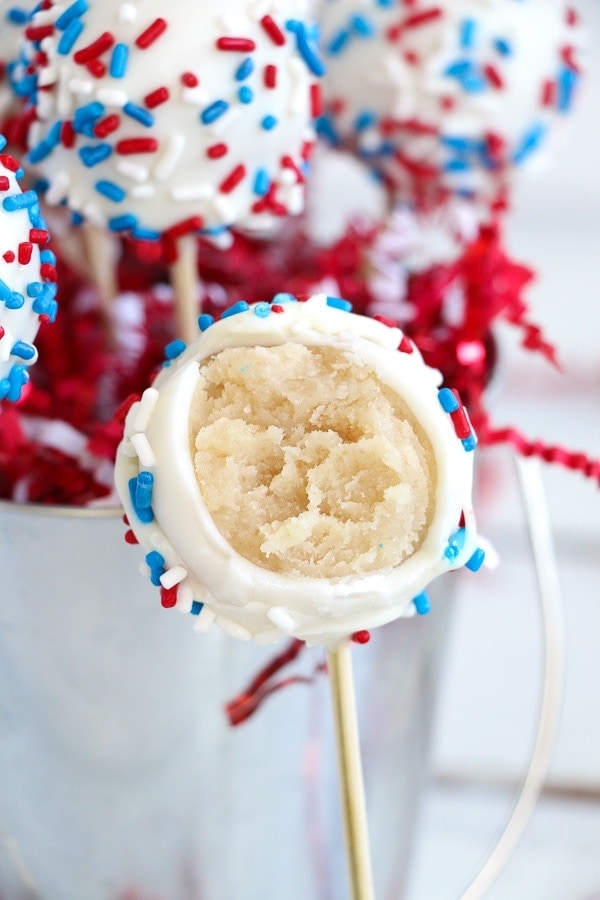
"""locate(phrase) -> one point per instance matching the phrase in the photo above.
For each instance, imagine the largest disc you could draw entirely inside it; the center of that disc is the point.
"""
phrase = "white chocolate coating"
(27, 276)
(222, 130)
(454, 96)
(248, 600)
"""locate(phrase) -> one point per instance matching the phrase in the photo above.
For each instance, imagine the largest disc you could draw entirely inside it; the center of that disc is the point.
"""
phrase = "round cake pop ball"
(27, 277)
(452, 97)
(297, 471)
(155, 121)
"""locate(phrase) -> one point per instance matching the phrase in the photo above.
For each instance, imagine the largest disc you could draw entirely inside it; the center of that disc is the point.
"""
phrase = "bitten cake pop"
(165, 121)
(27, 277)
(298, 471)
(452, 97)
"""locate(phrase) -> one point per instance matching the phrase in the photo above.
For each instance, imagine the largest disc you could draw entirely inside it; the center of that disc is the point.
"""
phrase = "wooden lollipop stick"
(352, 792)
(186, 286)
(102, 252)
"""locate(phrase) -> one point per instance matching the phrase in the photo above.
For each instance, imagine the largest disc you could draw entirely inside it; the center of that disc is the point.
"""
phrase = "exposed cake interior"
(308, 463)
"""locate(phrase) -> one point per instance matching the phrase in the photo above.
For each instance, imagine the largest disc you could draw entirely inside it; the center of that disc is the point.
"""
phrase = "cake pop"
(27, 277)
(450, 98)
(298, 471)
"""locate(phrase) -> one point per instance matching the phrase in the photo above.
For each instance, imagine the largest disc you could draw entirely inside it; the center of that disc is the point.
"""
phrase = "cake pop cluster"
(449, 98)
(163, 123)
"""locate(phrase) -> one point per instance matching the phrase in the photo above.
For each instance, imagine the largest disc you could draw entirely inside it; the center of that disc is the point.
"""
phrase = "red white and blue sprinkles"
(27, 277)
(448, 96)
(144, 479)
(166, 123)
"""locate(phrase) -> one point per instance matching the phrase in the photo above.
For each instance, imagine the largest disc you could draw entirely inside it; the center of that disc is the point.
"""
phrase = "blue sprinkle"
(326, 129)
(503, 47)
(205, 321)
(456, 165)
(197, 608)
(455, 545)
(119, 60)
(362, 26)
(111, 190)
(338, 42)
(307, 52)
(93, 156)
(72, 12)
(239, 307)
(17, 16)
(475, 562)
(143, 513)
(5, 291)
(69, 37)
(17, 378)
(338, 303)
(262, 310)
(284, 297)
(530, 142)
(244, 70)
(143, 490)
(448, 400)
(468, 74)
(245, 94)
(566, 84)
(88, 113)
(48, 256)
(175, 348)
(469, 443)
(139, 114)
(125, 222)
(366, 119)
(269, 122)
(23, 350)
(156, 564)
(145, 234)
(76, 218)
(468, 33)
(2, 142)
(20, 201)
(262, 182)
(15, 300)
(422, 604)
(213, 112)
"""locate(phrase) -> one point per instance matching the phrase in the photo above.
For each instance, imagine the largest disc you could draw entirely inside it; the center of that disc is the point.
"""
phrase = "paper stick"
(186, 286)
(352, 792)
(102, 253)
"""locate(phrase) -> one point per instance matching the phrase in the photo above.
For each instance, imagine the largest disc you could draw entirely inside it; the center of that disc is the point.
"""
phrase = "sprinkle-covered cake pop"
(27, 277)
(161, 120)
(297, 471)
(452, 97)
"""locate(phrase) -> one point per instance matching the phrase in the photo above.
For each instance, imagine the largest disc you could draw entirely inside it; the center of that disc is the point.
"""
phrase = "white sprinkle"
(204, 621)
(143, 191)
(144, 409)
(112, 97)
(282, 618)
(194, 96)
(44, 107)
(174, 149)
(59, 187)
(143, 450)
(47, 76)
(172, 576)
(127, 13)
(193, 192)
(224, 208)
(81, 86)
(91, 211)
(298, 98)
(292, 197)
(185, 598)
(233, 629)
(132, 170)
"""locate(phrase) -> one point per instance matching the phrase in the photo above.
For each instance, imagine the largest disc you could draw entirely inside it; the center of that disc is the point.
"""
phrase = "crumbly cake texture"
(308, 464)
(161, 121)
(298, 470)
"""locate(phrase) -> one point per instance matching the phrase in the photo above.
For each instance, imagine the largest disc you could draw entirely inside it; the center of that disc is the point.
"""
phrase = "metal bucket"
(120, 775)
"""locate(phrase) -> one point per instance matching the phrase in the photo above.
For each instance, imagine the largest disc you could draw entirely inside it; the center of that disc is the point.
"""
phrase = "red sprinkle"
(67, 134)
(186, 226)
(188, 79)
(9, 256)
(548, 97)
(270, 76)
(276, 308)
(216, 151)
(151, 34)
(96, 68)
(244, 45)
(9, 162)
(36, 34)
(155, 98)
(233, 179)
(136, 145)
(95, 49)
(130, 537)
(316, 101)
(361, 637)
(273, 30)
(39, 236)
(168, 597)
(107, 125)
(4, 183)
(25, 251)
(493, 76)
